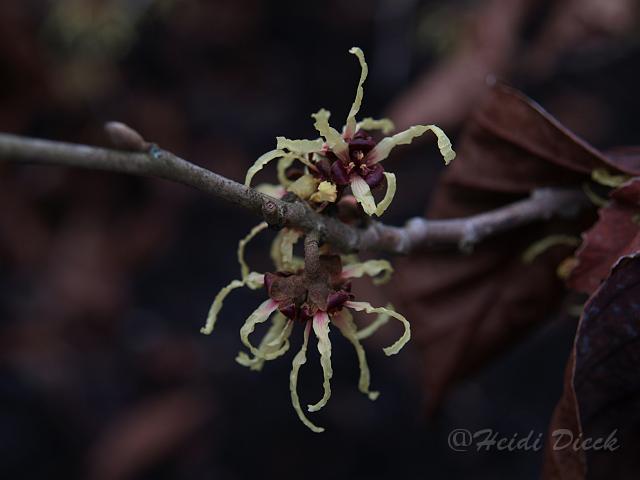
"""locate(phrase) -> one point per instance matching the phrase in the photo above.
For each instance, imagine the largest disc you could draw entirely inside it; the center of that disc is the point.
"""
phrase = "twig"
(417, 233)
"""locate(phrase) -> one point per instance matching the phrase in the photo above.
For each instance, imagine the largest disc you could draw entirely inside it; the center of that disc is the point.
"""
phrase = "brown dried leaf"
(615, 235)
(467, 308)
(604, 387)
(567, 463)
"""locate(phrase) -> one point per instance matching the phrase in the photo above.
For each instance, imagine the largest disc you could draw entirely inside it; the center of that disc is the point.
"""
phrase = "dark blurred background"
(106, 279)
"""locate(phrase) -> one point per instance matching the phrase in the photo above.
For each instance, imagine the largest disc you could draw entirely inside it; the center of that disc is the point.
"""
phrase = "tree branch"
(417, 233)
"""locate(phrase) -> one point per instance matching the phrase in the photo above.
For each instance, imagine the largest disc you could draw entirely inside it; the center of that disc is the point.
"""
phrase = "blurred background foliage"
(106, 279)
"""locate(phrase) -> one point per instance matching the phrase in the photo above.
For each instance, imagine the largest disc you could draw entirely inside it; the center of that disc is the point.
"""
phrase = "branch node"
(273, 215)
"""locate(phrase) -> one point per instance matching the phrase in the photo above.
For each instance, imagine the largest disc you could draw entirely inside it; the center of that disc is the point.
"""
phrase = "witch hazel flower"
(316, 296)
(348, 159)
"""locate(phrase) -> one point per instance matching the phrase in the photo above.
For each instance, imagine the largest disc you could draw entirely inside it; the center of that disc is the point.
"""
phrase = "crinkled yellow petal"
(372, 268)
(373, 327)
(273, 345)
(275, 191)
(302, 147)
(244, 268)
(344, 321)
(596, 199)
(304, 187)
(333, 138)
(289, 238)
(256, 363)
(284, 163)
(350, 126)
(406, 336)
(260, 315)
(603, 177)
(217, 305)
(542, 245)
(444, 144)
(363, 194)
(260, 163)
(299, 360)
(276, 250)
(321, 329)
(388, 196)
(254, 280)
(382, 149)
(327, 192)
(383, 124)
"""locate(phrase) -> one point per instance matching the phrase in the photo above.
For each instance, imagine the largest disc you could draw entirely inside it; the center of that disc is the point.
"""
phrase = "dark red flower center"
(299, 300)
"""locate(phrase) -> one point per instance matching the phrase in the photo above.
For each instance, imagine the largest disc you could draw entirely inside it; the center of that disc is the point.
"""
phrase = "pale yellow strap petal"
(538, 248)
(299, 360)
(273, 345)
(381, 319)
(278, 324)
(259, 315)
(333, 138)
(244, 268)
(603, 177)
(372, 268)
(254, 280)
(382, 149)
(406, 336)
(444, 144)
(217, 305)
(383, 124)
(388, 196)
(276, 250)
(279, 346)
(321, 329)
(288, 240)
(260, 163)
(344, 321)
(327, 192)
(350, 126)
(363, 195)
(284, 163)
(304, 187)
(596, 199)
(302, 147)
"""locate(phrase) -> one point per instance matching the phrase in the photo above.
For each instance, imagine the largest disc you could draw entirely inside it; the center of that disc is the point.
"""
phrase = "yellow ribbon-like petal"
(244, 268)
(333, 138)
(373, 327)
(372, 268)
(260, 163)
(321, 329)
(274, 344)
(406, 336)
(304, 187)
(388, 196)
(383, 124)
(344, 322)
(288, 240)
(284, 163)
(216, 306)
(259, 315)
(538, 248)
(327, 192)
(302, 147)
(603, 177)
(350, 126)
(363, 195)
(299, 360)
(382, 149)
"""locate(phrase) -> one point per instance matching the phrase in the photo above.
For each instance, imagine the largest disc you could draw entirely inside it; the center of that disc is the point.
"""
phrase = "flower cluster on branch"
(335, 175)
